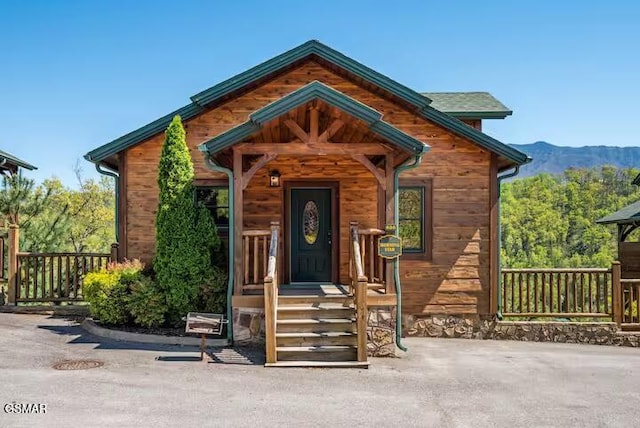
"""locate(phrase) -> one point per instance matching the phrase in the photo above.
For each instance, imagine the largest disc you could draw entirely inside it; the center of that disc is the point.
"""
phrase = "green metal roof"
(308, 49)
(312, 91)
(468, 105)
(628, 214)
(11, 159)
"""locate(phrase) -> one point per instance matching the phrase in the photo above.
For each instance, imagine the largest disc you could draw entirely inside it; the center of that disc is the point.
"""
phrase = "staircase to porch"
(313, 325)
(316, 330)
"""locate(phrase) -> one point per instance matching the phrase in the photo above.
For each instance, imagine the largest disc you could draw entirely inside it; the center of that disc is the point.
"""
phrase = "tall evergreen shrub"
(186, 236)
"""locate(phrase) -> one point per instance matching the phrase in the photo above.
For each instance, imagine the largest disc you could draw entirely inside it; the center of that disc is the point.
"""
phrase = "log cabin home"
(303, 161)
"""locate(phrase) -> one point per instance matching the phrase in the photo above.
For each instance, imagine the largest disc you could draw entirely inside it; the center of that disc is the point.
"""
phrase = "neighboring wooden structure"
(10, 163)
(627, 220)
(335, 133)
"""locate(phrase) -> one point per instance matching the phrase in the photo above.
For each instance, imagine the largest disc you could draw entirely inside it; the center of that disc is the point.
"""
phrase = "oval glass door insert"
(310, 224)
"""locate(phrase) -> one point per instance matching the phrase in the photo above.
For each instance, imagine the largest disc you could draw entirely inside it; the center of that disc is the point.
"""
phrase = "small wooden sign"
(390, 246)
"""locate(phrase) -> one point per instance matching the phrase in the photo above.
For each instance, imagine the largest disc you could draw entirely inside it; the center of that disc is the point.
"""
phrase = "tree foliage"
(549, 220)
(186, 236)
(54, 217)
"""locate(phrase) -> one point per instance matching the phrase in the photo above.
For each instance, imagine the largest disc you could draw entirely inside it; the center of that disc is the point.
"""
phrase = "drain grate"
(77, 364)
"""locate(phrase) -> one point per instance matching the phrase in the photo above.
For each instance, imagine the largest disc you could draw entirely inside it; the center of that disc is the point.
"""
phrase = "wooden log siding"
(455, 281)
(630, 301)
(575, 292)
(54, 277)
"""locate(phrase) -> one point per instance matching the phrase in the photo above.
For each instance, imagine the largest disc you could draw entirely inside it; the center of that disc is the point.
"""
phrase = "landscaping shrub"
(212, 296)
(146, 303)
(107, 291)
(186, 236)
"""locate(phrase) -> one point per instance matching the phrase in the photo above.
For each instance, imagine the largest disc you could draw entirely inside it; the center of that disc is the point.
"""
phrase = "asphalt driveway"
(439, 382)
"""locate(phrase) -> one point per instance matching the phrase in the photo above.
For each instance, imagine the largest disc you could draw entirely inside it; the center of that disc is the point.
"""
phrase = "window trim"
(427, 218)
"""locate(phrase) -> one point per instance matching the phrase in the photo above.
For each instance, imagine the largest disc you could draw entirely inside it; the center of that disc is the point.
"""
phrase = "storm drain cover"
(78, 364)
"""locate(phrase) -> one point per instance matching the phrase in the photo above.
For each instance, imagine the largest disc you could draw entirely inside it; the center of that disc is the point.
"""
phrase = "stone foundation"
(597, 333)
(381, 331)
(248, 326)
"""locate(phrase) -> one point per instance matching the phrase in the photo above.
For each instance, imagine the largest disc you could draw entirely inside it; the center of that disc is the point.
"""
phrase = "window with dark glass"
(411, 218)
(216, 200)
(414, 218)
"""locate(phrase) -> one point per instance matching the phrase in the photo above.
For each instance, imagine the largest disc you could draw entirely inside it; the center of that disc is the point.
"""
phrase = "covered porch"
(312, 185)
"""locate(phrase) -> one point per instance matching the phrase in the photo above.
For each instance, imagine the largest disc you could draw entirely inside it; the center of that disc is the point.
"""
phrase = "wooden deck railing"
(630, 313)
(271, 295)
(568, 293)
(54, 277)
(373, 266)
(359, 287)
(255, 248)
(3, 255)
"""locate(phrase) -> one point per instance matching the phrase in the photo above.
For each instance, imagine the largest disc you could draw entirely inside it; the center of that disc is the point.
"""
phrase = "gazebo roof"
(626, 215)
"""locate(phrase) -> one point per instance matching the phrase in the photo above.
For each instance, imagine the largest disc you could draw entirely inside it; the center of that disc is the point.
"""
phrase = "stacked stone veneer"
(381, 331)
(598, 333)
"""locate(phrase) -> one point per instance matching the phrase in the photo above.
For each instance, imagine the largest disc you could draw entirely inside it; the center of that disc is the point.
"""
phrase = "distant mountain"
(556, 159)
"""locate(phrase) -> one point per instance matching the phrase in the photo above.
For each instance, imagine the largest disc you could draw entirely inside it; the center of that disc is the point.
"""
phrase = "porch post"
(390, 218)
(238, 222)
(12, 259)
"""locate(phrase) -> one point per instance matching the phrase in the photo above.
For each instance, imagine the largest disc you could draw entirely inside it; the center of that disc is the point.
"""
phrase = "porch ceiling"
(313, 119)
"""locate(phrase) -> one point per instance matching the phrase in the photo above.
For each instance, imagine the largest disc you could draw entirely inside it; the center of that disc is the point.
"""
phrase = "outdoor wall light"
(274, 178)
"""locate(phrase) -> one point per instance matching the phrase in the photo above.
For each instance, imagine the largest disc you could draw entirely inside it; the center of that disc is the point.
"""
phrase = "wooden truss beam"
(298, 147)
(265, 159)
(330, 131)
(382, 179)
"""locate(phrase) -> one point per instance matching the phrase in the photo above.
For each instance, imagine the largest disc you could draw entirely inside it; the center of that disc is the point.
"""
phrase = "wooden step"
(317, 353)
(338, 299)
(314, 311)
(329, 338)
(330, 364)
(304, 325)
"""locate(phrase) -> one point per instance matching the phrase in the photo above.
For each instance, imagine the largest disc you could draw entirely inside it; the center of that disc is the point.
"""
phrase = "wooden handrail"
(357, 257)
(556, 270)
(359, 287)
(271, 295)
(24, 254)
(265, 232)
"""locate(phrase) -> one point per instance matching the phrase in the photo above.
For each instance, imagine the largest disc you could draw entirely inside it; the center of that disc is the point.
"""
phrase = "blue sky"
(77, 74)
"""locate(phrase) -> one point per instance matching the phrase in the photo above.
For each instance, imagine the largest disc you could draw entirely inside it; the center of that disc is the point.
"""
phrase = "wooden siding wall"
(456, 281)
(629, 257)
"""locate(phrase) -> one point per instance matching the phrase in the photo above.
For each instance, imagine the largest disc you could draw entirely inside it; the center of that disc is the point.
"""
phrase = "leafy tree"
(549, 220)
(24, 204)
(185, 233)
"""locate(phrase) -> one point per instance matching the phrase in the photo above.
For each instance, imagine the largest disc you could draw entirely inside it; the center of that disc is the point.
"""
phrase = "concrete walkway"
(439, 383)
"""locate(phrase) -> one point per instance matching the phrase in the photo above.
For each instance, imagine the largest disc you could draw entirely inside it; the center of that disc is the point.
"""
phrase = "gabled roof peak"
(314, 91)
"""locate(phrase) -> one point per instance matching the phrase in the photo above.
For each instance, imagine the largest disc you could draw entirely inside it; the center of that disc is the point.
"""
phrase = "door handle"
(329, 236)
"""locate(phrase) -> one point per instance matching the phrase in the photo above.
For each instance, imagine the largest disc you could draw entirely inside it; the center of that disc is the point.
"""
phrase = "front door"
(311, 238)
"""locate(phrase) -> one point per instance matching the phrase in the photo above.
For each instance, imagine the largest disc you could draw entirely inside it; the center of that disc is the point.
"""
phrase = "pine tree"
(185, 233)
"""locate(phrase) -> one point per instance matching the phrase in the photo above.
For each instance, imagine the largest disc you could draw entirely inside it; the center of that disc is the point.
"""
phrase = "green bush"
(146, 303)
(107, 291)
(212, 295)
(186, 236)
(106, 296)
